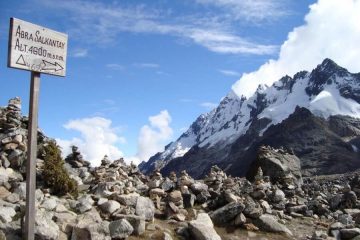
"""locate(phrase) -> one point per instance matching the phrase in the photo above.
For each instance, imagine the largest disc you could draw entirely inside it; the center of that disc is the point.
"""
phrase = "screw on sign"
(39, 50)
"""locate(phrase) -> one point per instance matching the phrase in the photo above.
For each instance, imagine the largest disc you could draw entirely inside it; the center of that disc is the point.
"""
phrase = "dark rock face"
(319, 144)
(277, 164)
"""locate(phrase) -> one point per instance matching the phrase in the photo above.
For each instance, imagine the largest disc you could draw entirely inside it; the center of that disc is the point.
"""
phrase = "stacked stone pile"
(117, 201)
(13, 135)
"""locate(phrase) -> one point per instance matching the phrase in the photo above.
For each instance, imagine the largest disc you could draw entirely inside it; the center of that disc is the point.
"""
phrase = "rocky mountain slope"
(315, 114)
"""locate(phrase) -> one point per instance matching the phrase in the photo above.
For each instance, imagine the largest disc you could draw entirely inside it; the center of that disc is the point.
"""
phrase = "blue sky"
(129, 60)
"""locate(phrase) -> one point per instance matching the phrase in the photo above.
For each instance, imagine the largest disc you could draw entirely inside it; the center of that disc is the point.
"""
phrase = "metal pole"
(31, 158)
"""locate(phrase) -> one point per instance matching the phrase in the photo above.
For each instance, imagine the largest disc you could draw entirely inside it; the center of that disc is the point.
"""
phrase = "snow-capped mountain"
(326, 91)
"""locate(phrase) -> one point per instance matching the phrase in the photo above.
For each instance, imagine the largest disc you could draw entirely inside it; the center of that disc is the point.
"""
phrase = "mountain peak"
(327, 62)
(330, 67)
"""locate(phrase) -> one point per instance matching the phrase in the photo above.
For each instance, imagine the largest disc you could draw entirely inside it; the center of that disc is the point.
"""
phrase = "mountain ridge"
(326, 91)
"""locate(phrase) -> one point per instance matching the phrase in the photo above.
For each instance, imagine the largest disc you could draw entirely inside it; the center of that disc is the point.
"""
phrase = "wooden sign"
(39, 50)
(35, 48)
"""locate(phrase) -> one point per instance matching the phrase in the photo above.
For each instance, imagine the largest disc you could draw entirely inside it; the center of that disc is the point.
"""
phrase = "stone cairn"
(117, 201)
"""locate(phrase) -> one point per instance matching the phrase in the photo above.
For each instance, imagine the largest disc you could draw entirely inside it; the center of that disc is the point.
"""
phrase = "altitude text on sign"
(35, 48)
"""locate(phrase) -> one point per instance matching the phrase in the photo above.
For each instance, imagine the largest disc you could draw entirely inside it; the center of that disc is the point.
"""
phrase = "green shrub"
(54, 174)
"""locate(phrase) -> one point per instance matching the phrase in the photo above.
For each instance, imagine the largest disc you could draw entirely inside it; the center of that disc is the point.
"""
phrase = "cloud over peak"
(153, 136)
(331, 30)
(97, 138)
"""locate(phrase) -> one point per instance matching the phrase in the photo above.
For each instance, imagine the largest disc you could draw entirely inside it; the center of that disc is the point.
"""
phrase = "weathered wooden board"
(37, 49)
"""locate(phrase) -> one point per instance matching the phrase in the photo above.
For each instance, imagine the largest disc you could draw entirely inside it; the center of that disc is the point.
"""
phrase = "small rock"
(6, 214)
(240, 220)
(110, 206)
(49, 204)
(84, 204)
(189, 200)
(199, 187)
(175, 196)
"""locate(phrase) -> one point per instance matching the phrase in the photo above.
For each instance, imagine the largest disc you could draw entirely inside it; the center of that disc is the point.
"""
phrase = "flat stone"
(157, 192)
(336, 226)
(298, 209)
(268, 223)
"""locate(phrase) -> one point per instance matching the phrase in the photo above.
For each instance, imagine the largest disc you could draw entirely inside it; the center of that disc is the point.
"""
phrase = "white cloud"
(80, 52)
(153, 137)
(147, 65)
(221, 42)
(187, 100)
(229, 72)
(209, 105)
(115, 66)
(109, 101)
(97, 139)
(100, 23)
(331, 30)
(250, 10)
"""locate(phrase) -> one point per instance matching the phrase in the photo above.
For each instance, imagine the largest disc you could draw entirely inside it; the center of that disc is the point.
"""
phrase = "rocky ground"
(117, 201)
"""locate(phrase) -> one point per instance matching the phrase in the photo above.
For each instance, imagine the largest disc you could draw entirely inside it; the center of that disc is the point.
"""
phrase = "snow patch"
(355, 149)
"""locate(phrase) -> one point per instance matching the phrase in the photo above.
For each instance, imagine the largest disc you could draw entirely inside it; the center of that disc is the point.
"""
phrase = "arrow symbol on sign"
(52, 66)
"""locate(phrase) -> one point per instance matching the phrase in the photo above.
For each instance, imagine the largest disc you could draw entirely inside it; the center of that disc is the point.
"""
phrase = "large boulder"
(128, 199)
(45, 227)
(145, 208)
(202, 228)
(90, 226)
(120, 229)
(278, 164)
(227, 213)
(137, 222)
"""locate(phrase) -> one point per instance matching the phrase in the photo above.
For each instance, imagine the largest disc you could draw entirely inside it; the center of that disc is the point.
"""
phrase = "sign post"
(39, 50)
